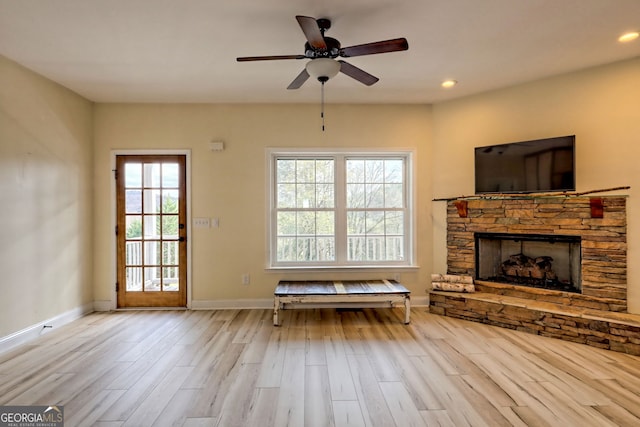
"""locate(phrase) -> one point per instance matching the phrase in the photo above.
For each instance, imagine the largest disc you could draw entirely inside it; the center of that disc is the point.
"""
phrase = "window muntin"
(340, 210)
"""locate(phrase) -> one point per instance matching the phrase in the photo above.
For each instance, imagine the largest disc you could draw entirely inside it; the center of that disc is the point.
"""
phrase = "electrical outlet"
(202, 222)
(246, 279)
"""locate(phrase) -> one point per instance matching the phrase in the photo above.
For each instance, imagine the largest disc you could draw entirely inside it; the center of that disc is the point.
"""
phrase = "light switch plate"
(201, 222)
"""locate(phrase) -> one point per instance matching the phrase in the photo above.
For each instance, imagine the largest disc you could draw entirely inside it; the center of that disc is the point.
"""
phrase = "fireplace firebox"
(533, 260)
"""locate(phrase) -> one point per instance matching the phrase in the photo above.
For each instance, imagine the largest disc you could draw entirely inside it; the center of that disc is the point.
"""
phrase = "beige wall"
(230, 185)
(45, 186)
(55, 256)
(600, 106)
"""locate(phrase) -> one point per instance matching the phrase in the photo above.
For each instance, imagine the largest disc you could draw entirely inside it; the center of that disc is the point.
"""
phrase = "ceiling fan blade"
(384, 46)
(357, 73)
(268, 58)
(311, 31)
(299, 80)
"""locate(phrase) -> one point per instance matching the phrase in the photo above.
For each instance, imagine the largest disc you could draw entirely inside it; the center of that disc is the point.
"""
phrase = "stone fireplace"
(568, 255)
(574, 246)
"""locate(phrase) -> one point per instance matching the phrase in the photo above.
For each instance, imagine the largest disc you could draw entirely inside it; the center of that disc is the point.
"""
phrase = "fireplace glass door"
(534, 260)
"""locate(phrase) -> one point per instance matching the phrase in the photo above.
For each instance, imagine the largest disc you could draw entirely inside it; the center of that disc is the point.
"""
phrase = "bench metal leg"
(276, 309)
(407, 310)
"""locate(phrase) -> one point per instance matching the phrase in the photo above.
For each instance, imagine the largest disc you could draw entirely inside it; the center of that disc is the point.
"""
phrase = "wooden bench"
(354, 292)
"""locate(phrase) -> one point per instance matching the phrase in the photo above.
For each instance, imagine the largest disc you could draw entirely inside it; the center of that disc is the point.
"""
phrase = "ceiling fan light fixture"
(323, 68)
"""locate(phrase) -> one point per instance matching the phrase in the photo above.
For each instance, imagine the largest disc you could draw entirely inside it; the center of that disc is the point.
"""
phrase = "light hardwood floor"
(320, 368)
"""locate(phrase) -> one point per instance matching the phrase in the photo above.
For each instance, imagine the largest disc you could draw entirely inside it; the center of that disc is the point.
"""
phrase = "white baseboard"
(419, 301)
(107, 305)
(34, 331)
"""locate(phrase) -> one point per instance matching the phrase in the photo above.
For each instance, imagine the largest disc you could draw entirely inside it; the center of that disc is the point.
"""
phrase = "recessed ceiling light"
(627, 37)
(449, 84)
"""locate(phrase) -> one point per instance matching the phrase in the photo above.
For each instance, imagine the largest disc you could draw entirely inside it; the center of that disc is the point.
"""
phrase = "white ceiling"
(185, 50)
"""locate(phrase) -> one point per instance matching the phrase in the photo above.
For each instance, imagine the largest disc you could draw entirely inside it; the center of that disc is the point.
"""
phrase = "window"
(340, 209)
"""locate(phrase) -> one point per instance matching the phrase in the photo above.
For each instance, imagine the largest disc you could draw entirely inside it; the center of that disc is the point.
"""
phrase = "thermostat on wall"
(216, 145)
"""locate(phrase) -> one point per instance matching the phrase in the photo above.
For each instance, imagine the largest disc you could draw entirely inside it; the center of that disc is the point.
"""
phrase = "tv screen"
(541, 165)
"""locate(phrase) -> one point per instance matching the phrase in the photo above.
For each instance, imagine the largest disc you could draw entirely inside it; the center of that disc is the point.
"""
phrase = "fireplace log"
(452, 282)
(451, 278)
(453, 287)
(522, 266)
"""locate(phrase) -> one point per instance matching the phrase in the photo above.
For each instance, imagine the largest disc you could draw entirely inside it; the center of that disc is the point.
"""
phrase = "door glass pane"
(170, 173)
(151, 226)
(151, 175)
(152, 279)
(170, 279)
(152, 201)
(170, 201)
(133, 201)
(133, 175)
(152, 253)
(170, 253)
(133, 253)
(170, 226)
(134, 279)
(134, 226)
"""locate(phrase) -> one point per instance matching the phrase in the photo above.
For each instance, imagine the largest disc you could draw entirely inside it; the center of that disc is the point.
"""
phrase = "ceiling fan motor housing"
(332, 50)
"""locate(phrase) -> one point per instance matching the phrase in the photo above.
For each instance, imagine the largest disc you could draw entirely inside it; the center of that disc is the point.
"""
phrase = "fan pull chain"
(322, 105)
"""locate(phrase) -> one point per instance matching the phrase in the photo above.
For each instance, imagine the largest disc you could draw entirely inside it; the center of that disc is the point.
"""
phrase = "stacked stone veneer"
(604, 240)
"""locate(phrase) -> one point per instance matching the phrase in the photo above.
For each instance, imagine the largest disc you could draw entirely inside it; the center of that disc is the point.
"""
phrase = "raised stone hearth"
(542, 313)
(594, 315)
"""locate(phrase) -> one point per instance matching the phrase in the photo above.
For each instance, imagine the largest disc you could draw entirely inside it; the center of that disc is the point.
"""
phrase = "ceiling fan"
(322, 52)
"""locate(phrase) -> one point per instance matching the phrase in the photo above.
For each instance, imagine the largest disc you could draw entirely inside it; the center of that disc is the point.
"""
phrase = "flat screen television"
(540, 165)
